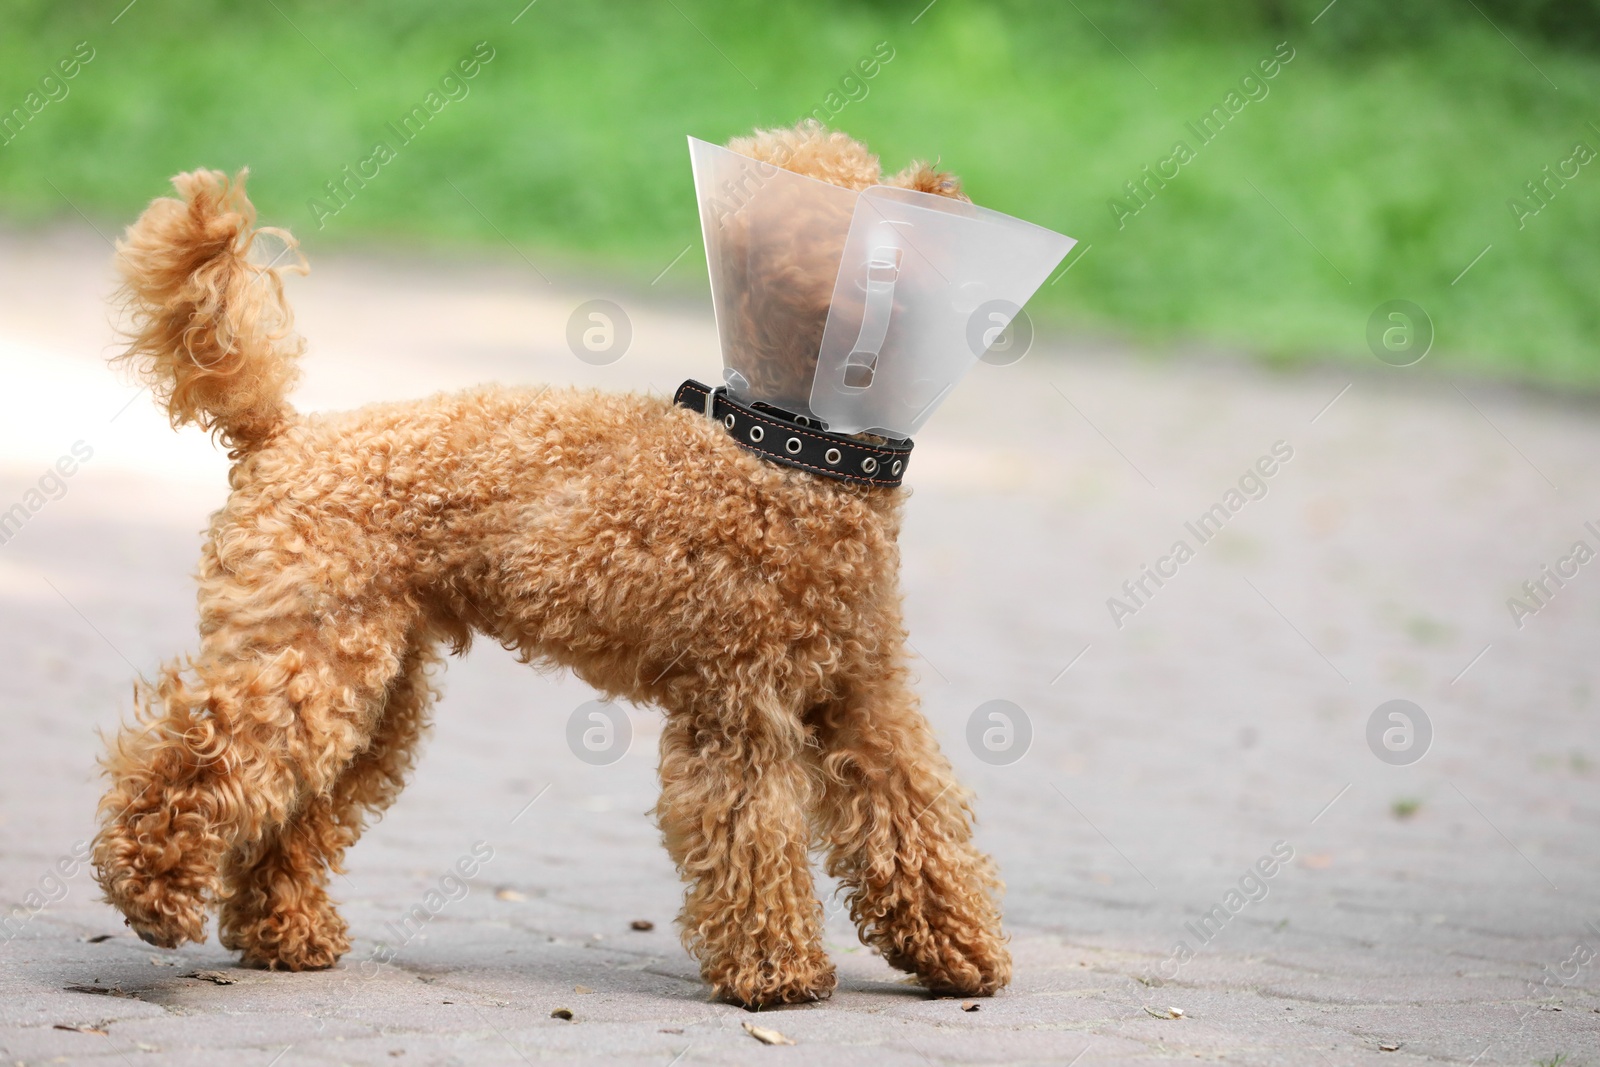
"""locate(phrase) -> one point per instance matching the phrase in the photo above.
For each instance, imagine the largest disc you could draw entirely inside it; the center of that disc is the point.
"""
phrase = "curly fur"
(617, 535)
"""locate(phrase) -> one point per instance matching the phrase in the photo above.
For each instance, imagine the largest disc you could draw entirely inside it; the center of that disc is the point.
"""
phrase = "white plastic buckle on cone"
(861, 309)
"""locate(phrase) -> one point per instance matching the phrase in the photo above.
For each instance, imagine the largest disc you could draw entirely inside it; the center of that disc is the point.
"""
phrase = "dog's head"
(784, 295)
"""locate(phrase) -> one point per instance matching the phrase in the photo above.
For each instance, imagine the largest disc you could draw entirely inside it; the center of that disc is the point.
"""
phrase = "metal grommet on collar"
(792, 445)
(757, 433)
(728, 421)
(869, 465)
(832, 456)
(895, 467)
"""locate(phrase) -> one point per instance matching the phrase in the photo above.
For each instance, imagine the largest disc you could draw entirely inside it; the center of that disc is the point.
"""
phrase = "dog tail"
(210, 332)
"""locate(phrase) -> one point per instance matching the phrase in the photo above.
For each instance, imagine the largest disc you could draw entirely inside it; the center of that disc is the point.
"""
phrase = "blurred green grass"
(1377, 167)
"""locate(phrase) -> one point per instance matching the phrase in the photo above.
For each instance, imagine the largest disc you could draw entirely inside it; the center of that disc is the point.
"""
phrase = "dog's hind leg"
(276, 912)
(222, 755)
(897, 829)
(275, 909)
(734, 790)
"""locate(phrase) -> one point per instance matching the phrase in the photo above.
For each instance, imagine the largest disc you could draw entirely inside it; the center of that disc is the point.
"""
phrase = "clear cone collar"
(861, 309)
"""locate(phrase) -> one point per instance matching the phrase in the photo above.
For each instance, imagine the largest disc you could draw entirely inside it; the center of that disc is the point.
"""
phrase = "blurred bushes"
(1385, 158)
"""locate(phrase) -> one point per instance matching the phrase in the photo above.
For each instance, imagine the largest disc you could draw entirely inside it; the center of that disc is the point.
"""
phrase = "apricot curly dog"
(620, 536)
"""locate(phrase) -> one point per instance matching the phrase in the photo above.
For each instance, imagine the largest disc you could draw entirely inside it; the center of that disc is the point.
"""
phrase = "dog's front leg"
(732, 810)
(898, 829)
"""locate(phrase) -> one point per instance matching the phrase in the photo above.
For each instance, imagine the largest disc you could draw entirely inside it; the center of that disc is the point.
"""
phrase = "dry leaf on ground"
(767, 1036)
(214, 977)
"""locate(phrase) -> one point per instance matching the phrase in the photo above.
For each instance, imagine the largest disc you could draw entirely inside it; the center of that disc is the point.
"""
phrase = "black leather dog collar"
(783, 438)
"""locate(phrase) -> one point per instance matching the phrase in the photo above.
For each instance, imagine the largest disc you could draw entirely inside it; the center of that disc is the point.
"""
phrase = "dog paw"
(306, 940)
(162, 918)
(150, 938)
(311, 956)
(965, 971)
(160, 885)
(763, 989)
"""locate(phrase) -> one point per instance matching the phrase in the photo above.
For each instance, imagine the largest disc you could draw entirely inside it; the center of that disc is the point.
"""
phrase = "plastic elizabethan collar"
(862, 309)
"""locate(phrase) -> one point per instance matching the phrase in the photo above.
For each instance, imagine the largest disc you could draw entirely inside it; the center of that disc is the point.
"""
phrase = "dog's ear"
(925, 179)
